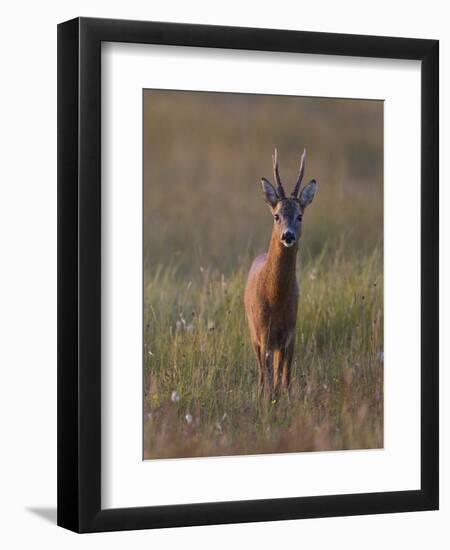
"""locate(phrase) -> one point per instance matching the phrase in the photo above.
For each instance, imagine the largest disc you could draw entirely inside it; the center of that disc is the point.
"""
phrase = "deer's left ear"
(307, 194)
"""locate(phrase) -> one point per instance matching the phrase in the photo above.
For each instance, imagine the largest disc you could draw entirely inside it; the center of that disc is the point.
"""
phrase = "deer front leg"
(288, 356)
(267, 370)
(261, 366)
(262, 371)
(278, 365)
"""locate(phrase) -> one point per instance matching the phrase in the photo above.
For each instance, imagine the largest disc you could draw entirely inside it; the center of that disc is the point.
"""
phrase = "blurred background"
(205, 154)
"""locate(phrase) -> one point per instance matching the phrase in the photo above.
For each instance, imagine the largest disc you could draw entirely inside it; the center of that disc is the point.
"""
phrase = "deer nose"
(288, 237)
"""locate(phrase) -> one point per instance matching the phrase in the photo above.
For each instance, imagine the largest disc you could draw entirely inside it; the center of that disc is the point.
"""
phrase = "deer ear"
(270, 195)
(307, 194)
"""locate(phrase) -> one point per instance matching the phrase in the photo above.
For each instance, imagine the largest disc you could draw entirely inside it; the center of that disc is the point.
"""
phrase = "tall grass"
(201, 395)
(204, 221)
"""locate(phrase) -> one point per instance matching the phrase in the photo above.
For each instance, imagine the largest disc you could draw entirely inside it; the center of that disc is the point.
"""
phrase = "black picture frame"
(79, 274)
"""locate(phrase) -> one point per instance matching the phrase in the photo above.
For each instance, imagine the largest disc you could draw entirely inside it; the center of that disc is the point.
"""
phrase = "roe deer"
(271, 294)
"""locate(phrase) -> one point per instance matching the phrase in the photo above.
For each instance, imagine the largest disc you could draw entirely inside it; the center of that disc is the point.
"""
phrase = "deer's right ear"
(270, 195)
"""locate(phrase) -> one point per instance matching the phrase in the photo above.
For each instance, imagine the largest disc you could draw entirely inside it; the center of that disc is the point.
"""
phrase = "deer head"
(287, 212)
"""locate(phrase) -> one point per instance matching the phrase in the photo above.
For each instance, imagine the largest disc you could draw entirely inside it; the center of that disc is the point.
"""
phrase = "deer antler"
(300, 175)
(276, 174)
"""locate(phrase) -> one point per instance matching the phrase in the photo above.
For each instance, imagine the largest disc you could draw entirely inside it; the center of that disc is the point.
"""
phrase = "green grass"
(205, 220)
(196, 343)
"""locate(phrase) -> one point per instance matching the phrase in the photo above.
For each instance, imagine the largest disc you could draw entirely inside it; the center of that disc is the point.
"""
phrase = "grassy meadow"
(205, 220)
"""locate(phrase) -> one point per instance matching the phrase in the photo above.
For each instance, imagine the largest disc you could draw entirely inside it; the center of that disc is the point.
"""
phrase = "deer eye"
(276, 218)
(299, 218)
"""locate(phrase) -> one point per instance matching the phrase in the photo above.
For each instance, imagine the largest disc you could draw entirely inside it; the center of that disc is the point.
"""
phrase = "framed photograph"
(247, 275)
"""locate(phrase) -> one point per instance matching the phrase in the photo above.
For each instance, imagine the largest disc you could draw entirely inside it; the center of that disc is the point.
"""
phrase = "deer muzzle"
(288, 238)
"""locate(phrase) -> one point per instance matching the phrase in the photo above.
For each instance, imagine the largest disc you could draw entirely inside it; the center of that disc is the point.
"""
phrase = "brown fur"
(271, 294)
(271, 300)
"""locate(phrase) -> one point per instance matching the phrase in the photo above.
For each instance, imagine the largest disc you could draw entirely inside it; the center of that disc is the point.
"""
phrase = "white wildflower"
(174, 397)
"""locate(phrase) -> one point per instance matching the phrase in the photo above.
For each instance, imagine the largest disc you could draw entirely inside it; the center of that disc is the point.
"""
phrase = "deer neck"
(280, 269)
